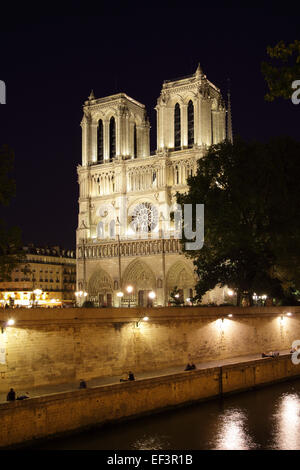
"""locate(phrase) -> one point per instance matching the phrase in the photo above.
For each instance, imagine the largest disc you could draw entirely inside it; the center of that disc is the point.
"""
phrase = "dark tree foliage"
(251, 198)
(10, 238)
(281, 69)
(175, 298)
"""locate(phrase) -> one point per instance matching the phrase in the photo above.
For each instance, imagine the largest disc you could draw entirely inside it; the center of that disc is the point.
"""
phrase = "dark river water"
(268, 418)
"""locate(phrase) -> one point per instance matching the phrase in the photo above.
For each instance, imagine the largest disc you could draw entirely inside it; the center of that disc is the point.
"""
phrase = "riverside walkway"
(111, 380)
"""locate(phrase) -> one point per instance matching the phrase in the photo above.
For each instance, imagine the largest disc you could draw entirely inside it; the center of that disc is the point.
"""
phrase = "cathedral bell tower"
(190, 113)
(114, 128)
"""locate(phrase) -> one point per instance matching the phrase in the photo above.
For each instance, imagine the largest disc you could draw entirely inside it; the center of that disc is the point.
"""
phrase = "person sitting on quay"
(190, 366)
(267, 354)
(82, 384)
(271, 354)
(131, 375)
(23, 397)
(11, 396)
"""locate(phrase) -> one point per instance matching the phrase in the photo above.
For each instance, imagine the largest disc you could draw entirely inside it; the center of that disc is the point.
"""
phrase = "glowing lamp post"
(120, 295)
(129, 290)
(9, 322)
(37, 295)
(151, 296)
(80, 295)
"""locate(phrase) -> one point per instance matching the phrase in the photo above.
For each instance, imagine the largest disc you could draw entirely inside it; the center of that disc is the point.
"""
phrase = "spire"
(92, 96)
(198, 72)
(229, 121)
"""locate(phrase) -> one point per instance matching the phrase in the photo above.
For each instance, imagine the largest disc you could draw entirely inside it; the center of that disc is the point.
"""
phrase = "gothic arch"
(100, 141)
(139, 275)
(180, 275)
(97, 116)
(111, 112)
(177, 98)
(112, 138)
(190, 96)
(190, 123)
(99, 282)
(177, 125)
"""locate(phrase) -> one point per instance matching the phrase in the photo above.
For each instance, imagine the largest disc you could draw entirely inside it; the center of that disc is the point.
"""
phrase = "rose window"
(144, 218)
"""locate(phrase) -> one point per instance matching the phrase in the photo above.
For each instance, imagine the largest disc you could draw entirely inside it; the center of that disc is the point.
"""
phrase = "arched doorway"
(141, 277)
(180, 275)
(100, 288)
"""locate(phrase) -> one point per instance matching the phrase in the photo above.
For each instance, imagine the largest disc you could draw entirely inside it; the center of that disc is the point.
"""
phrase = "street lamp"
(129, 290)
(120, 295)
(137, 323)
(9, 322)
(37, 293)
(151, 296)
(80, 295)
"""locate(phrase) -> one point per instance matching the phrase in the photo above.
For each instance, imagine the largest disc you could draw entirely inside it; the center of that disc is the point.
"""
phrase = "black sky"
(50, 65)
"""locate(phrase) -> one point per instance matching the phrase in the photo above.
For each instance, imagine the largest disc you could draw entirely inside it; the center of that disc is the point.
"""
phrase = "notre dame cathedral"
(125, 236)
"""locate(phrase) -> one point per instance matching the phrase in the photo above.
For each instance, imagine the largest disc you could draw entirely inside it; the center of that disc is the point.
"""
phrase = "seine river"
(268, 418)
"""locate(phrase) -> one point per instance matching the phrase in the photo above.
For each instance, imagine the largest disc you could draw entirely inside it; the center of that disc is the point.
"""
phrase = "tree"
(176, 298)
(10, 237)
(252, 231)
(282, 68)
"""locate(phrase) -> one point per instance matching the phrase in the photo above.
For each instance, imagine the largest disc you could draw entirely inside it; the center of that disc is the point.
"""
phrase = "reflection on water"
(287, 422)
(156, 442)
(232, 433)
(267, 418)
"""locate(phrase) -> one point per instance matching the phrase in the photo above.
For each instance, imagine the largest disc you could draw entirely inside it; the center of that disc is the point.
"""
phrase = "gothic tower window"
(190, 124)
(100, 141)
(112, 138)
(176, 175)
(177, 127)
(134, 142)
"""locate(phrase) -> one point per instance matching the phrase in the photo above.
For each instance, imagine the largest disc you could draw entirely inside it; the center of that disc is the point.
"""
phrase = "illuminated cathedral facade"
(126, 240)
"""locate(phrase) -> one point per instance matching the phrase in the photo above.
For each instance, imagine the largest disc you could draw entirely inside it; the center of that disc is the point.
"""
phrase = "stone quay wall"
(67, 412)
(52, 346)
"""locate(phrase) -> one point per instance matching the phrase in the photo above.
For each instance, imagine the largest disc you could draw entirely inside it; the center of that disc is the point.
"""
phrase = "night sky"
(50, 65)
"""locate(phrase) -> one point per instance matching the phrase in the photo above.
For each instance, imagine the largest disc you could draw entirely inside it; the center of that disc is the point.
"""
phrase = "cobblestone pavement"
(110, 380)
